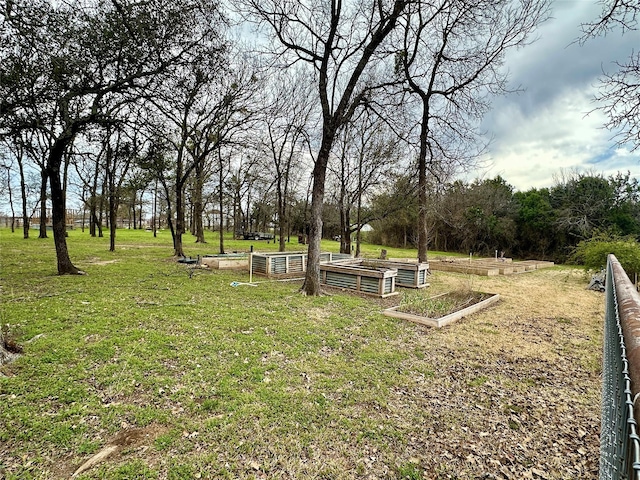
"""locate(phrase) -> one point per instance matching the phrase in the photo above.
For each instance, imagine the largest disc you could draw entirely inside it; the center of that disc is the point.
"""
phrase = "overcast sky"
(545, 129)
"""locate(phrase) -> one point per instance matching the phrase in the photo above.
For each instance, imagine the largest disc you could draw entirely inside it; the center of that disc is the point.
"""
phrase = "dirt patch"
(97, 261)
(130, 438)
(9, 348)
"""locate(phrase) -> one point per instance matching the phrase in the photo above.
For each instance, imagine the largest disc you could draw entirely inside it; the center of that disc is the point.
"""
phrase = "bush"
(593, 253)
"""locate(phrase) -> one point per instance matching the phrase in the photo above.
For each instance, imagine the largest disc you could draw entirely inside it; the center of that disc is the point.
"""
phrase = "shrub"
(593, 253)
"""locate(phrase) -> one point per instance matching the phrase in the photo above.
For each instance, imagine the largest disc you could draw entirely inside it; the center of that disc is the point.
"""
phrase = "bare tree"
(451, 56)
(204, 107)
(243, 175)
(32, 147)
(367, 151)
(122, 148)
(7, 168)
(286, 123)
(337, 40)
(8, 152)
(619, 92)
(91, 172)
(231, 115)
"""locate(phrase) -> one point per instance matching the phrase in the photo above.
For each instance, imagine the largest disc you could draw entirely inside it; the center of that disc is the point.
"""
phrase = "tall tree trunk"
(198, 207)
(178, 229)
(312, 279)
(345, 219)
(178, 249)
(65, 180)
(311, 284)
(282, 221)
(221, 205)
(23, 192)
(13, 212)
(154, 219)
(133, 211)
(101, 208)
(113, 201)
(84, 214)
(140, 210)
(422, 186)
(113, 220)
(93, 216)
(65, 267)
(345, 235)
(44, 177)
(282, 229)
(359, 210)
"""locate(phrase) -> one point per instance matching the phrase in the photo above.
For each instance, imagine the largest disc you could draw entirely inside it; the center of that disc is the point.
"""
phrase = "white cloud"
(533, 148)
(547, 128)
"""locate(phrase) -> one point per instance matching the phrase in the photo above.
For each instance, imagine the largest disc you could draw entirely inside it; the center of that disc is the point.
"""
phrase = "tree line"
(485, 217)
(120, 101)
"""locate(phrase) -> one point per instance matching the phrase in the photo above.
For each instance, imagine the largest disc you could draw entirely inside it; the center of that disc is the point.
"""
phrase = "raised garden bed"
(460, 267)
(536, 264)
(286, 264)
(487, 266)
(226, 261)
(443, 309)
(378, 281)
(410, 274)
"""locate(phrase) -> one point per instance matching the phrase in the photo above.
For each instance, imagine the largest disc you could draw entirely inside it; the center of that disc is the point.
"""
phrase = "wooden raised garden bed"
(487, 266)
(226, 261)
(486, 299)
(460, 267)
(536, 264)
(378, 281)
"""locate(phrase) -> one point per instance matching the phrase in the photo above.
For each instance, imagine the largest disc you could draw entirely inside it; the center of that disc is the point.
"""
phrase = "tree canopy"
(341, 114)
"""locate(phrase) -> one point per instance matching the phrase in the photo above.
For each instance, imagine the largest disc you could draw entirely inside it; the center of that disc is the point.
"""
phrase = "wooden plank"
(503, 269)
(232, 263)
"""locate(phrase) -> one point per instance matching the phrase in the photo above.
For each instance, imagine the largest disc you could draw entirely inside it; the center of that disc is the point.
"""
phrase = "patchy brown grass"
(515, 392)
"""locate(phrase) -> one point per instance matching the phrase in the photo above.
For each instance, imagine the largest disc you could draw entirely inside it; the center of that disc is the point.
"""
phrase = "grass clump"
(409, 471)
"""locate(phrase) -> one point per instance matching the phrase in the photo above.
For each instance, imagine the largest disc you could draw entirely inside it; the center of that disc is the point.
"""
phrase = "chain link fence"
(619, 440)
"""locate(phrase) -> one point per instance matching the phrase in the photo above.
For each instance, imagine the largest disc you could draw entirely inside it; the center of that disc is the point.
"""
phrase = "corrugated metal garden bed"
(378, 281)
(410, 274)
(286, 264)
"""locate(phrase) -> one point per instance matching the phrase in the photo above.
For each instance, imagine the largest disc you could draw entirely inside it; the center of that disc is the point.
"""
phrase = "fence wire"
(619, 440)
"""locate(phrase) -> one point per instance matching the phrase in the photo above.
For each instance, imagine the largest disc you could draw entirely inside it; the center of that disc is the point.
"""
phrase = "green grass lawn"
(244, 382)
(138, 342)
